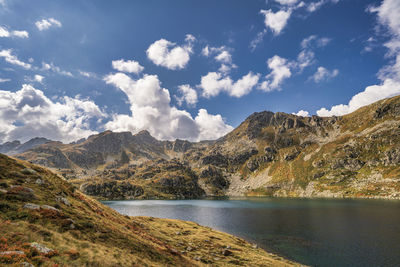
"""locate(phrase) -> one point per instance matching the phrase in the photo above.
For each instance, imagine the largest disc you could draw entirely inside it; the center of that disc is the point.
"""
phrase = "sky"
(188, 69)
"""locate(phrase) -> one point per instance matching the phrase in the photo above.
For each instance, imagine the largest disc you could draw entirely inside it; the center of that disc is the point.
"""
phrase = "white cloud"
(371, 94)
(151, 110)
(12, 59)
(169, 55)
(188, 95)
(222, 55)
(20, 34)
(210, 126)
(322, 74)
(314, 40)
(302, 113)
(56, 69)
(214, 83)
(3, 80)
(28, 113)
(5, 33)
(45, 24)
(280, 70)
(287, 2)
(38, 78)
(389, 75)
(130, 66)
(257, 40)
(276, 21)
(314, 6)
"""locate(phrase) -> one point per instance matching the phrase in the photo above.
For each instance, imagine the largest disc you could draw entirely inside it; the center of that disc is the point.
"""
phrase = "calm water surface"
(313, 232)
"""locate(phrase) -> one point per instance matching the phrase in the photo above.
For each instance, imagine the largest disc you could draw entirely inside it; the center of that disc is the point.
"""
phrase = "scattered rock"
(21, 193)
(28, 171)
(3, 191)
(227, 252)
(41, 248)
(47, 207)
(254, 246)
(26, 264)
(63, 200)
(189, 248)
(31, 206)
(12, 252)
(39, 181)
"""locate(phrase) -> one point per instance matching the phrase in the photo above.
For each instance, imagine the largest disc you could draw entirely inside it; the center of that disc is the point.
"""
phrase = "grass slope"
(79, 231)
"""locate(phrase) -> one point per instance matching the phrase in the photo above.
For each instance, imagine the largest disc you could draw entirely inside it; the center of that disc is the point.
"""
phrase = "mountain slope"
(45, 221)
(274, 154)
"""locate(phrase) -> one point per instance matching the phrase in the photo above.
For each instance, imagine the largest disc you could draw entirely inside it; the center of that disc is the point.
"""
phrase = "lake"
(315, 232)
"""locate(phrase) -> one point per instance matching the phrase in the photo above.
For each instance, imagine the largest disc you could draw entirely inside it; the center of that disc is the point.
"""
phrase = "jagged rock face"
(273, 153)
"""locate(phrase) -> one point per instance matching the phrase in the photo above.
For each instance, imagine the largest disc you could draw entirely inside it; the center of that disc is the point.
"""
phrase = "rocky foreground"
(269, 154)
(45, 221)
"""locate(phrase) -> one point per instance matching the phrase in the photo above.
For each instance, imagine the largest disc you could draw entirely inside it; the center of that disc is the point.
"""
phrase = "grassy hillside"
(45, 221)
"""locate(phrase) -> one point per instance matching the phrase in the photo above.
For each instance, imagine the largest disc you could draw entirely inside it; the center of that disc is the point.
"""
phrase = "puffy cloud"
(389, 75)
(151, 110)
(276, 21)
(222, 55)
(12, 59)
(38, 78)
(214, 83)
(371, 94)
(5, 33)
(169, 55)
(130, 66)
(302, 113)
(28, 113)
(322, 74)
(211, 126)
(188, 95)
(46, 24)
(280, 70)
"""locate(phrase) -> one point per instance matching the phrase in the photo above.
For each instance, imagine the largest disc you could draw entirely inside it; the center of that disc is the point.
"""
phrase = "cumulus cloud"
(5, 33)
(12, 59)
(214, 83)
(389, 75)
(38, 78)
(322, 74)
(130, 66)
(46, 24)
(188, 95)
(28, 113)
(151, 110)
(302, 113)
(276, 21)
(222, 55)
(170, 55)
(280, 70)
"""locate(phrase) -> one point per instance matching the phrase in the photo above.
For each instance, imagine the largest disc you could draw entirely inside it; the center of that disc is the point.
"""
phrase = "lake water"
(312, 232)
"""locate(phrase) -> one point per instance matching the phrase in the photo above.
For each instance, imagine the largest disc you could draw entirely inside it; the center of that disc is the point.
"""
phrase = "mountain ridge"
(275, 154)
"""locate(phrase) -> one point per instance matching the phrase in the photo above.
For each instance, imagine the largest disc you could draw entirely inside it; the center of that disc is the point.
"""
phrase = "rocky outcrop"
(113, 190)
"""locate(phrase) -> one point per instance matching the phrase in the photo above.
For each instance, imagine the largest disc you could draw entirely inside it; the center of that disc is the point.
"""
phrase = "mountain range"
(269, 154)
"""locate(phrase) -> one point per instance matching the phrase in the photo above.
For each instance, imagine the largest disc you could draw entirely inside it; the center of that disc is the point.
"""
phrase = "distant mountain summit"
(271, 154)
(15, 147)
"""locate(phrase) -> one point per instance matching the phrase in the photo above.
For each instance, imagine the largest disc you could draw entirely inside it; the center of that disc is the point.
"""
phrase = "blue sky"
(188, 69)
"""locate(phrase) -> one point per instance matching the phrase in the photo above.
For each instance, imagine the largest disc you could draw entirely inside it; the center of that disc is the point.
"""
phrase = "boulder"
(31, 206)
(41, 248)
